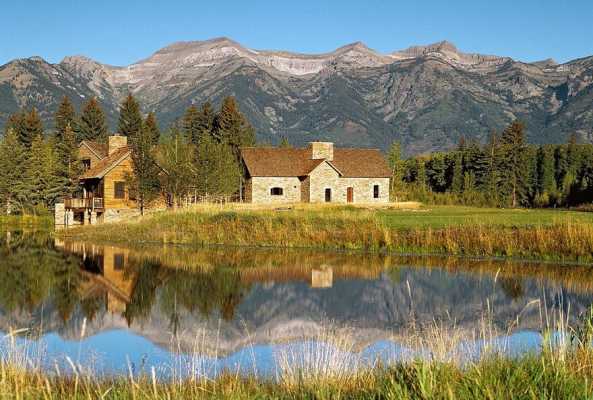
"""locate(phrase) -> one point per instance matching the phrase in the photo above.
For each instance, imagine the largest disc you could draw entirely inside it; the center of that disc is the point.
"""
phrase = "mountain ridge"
(427, 97)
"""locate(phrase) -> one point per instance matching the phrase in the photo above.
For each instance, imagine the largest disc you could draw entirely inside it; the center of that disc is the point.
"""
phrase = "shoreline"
(350, 229)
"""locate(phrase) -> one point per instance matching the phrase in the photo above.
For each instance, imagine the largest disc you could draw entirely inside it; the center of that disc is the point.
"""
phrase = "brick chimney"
(322, 150)
(116, 142)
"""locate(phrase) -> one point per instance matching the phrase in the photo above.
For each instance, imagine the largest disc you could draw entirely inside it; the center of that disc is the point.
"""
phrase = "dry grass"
(563, 369)
(346, 227)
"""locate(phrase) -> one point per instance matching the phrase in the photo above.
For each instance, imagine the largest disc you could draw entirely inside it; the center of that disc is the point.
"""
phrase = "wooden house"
(103, 194)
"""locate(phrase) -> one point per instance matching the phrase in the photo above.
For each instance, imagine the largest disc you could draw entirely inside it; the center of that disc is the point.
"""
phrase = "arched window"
(276, 191)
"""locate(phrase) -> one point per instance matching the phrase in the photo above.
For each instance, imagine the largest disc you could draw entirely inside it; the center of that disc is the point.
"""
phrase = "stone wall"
(260, 188)
(324, 177)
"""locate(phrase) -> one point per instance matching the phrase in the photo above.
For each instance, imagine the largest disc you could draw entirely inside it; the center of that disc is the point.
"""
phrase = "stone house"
(103, 194)
(316, 174)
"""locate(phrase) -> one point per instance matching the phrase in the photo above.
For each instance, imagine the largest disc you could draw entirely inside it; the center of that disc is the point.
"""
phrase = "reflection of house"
(106, 273)
(103, 192)
(315, 174)
(322, 278)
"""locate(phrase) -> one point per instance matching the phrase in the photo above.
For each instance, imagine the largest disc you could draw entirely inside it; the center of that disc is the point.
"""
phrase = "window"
(118, 262)
(86, 164)
(328, 195)
(276, 191)
(120, 190)
(375, 191)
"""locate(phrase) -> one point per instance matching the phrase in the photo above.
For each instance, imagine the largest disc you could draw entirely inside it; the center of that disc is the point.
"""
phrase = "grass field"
(446, 216)
(533, 234)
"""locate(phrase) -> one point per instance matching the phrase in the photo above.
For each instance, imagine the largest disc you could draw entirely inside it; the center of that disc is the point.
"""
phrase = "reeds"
(348, 228)
(437, 366)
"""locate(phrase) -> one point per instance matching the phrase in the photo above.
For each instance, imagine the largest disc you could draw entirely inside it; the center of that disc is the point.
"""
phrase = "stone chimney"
(322, 150)
(116, 142)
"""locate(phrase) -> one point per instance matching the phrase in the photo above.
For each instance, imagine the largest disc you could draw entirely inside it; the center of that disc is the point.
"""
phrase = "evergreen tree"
(218, 172)
(232, 128)
(206, 119)
(176, 157)
(12, 157)
(457, 176)
(31, 128)
(92, 124)
(546, 182)
(153, 127)
(394, 157)
(514, 162)
(191, 125)
(41, 185)
(64, 117)
(144, 183)
(130, 118)
(436, 171)
(15, 123)
(69, 167)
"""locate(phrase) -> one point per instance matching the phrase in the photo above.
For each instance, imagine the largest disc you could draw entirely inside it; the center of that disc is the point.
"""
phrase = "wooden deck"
(89, 203)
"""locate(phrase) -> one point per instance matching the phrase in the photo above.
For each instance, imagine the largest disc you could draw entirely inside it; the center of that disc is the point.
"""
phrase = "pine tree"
(31, 128)
(130, 118)
(15, 123)
(546, 182)
(92, 124)
(152, 125)
(144, 182)
(64, 117)
(457, 175)
(396, 165)
(12, 156)
(206, 119)
(191, 125)
(514, 162)
(218, 172)
(436, 170)
(69, 167)
(176, 157)
(232, 128)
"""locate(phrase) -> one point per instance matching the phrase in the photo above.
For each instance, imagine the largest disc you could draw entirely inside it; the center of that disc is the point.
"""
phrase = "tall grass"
(348, 228)
(563, 368)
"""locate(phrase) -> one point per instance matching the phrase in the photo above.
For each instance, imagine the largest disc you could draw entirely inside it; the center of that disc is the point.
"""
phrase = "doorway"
(350, 194)
(328, 195)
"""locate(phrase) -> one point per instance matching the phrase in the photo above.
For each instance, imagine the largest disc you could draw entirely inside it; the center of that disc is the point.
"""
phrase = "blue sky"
(121, 32)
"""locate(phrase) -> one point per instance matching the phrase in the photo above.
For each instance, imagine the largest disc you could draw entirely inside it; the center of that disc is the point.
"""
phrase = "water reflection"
(168, 305)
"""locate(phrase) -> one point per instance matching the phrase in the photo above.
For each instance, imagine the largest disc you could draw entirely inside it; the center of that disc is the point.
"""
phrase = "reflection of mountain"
(225, 299)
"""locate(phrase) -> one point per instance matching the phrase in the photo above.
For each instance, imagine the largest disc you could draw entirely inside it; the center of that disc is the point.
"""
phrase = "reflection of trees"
(512, 287)
(219, 289)
(144, 292)
(32, 271)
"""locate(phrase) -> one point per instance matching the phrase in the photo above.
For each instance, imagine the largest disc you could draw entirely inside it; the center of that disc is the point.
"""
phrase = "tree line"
(198, 154)
(504, 172)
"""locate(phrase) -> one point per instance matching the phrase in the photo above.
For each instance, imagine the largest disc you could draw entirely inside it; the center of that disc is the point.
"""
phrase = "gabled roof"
(98, 149)
(282, 162)
(103, 167)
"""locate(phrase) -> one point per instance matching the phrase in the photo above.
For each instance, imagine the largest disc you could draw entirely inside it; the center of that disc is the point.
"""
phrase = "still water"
(118, 310)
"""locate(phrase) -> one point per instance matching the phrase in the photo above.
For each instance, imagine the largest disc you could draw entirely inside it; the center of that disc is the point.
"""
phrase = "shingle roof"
(106, 164)
(281, 162)
(100, 149)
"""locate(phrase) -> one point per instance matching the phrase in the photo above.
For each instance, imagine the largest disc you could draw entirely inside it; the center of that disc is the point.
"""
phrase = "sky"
(125, 31)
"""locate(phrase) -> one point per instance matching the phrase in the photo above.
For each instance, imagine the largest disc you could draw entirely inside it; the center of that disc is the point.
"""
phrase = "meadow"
(525, 234)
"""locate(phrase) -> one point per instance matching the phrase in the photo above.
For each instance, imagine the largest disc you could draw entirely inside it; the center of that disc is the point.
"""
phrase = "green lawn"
(442, 216)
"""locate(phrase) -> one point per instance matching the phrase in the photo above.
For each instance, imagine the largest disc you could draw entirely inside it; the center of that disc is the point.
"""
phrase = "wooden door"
(350, 194)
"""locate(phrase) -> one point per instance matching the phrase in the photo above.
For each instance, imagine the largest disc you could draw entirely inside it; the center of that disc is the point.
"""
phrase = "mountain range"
(426, 97)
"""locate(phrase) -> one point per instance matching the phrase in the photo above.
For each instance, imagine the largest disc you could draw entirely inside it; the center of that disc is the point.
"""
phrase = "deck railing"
(87, 203)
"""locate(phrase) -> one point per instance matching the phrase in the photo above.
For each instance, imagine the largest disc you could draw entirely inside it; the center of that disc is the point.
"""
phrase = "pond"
(181, 311)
